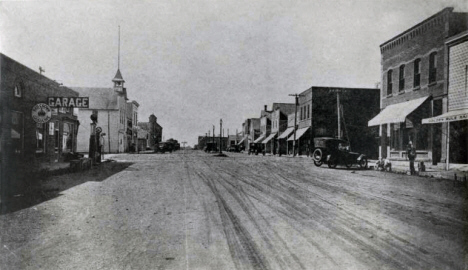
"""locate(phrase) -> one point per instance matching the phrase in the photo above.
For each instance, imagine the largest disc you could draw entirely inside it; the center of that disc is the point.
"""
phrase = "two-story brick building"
(23, 141)
(456, 117)
(132, 124)
(337, 112)
(279, 122)
(414, 72)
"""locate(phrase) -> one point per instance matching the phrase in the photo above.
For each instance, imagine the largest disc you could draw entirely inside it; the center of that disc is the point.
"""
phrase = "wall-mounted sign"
(75, 102)
(41, 113)
(51, 128)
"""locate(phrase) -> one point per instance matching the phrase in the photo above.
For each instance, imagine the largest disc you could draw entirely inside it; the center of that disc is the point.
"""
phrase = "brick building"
(279, 122)
(155, 132)
(414, 72)
(337, 112)
(23, 141)
(132, 124)
(251, 132)
(456, 117)
(110, 105)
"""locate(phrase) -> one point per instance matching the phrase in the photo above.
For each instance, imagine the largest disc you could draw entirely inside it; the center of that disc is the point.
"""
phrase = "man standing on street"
(411, 152)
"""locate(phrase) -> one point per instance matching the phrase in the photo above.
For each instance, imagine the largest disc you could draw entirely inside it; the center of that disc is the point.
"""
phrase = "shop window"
(67, 138)
(55, 127)
(389, 82)
(17, 132)
(432, 67)
(40, 138)
(417, 73)
(422, 137)
(401, 81)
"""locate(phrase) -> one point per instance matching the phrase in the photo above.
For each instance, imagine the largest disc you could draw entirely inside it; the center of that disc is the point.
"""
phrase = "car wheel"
(318, 163)
(317, 155)
(348, 164)
(332, 164)
(363, 163)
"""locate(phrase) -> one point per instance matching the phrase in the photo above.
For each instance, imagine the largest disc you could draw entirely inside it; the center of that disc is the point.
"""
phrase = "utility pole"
(220, 130)
(295, 121)
(213, 134)
(338, 112)
(183, 143)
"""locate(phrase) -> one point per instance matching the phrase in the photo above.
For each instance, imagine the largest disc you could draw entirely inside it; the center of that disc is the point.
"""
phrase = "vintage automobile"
(335, 151)
(165, 147)
(211, 147)
(233, 148)
(255, 148)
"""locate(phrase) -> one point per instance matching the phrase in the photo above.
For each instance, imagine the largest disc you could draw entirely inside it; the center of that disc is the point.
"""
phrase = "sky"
(192, 63)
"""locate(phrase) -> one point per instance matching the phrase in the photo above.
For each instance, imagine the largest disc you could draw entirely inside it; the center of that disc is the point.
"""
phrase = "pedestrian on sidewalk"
(411, 153)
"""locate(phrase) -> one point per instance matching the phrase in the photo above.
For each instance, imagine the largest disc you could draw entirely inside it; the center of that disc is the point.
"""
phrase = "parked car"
(336, 151)
(255, 148)
(165, 147)
(211, 147)
(233, 148)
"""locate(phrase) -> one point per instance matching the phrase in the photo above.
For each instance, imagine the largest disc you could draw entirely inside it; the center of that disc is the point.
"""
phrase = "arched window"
(389, 82)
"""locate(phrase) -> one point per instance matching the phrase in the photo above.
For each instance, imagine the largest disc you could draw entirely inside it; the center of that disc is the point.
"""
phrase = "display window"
(17, 132)
(40, 138)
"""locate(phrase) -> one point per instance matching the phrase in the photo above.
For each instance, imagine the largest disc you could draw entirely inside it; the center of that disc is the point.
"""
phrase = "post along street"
(75, 102)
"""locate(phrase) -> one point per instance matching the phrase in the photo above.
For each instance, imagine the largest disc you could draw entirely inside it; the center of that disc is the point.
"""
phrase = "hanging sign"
(75, 102)
(41, 113)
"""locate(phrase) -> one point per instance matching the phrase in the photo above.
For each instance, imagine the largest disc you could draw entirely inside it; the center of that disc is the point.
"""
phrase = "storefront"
(401, 123)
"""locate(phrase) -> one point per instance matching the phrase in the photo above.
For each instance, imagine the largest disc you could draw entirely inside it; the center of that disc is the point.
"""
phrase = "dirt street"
(196, 211)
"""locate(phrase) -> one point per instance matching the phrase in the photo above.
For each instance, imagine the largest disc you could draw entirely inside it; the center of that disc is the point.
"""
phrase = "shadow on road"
(42, 188)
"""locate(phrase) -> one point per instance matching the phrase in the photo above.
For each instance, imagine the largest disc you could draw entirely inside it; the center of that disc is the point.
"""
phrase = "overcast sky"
(193, 62)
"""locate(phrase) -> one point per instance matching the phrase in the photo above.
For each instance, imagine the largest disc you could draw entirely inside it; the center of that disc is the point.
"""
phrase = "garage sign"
(75, 102)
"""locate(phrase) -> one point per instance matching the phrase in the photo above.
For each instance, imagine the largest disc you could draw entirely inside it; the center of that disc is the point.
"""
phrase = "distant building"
(143, 136)
(279, 123)
(414, 86)
(110, 105)
(132, 124)
(155, 132)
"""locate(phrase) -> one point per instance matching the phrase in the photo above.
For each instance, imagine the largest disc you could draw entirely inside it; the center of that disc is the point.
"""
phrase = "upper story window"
(308, 111)
(432, 67)
(389, 82)
(417, 73)
(18, 90)
(401, 81)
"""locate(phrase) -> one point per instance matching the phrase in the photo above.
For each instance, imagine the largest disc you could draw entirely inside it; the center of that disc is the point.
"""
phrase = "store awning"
(299, 134)
(259, 139)
(451, 116)
(286, 133)
(396, 113)
(269, 138)
(241, 141)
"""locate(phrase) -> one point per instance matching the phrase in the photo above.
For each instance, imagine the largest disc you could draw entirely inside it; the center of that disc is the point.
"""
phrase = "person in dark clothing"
(411, 153)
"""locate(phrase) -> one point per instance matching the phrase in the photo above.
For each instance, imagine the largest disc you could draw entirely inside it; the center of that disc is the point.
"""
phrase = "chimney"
(265, 108)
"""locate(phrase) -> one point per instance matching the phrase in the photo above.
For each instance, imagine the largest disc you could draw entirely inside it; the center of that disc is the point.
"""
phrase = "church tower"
(118, 79)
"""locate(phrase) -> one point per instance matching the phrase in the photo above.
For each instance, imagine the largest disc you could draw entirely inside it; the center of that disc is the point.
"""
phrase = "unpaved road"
(195, 211)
